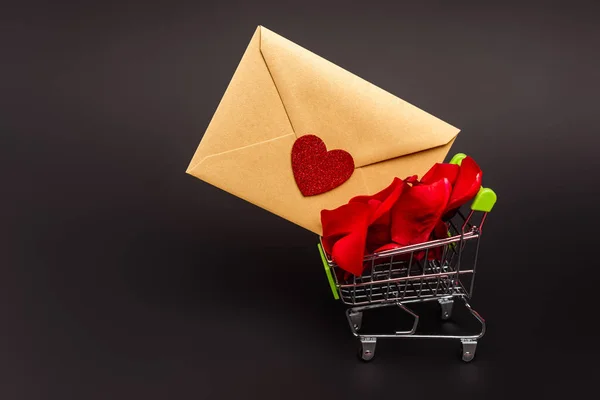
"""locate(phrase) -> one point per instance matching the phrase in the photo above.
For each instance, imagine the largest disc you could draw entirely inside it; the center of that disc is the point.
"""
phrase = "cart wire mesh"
(412, 273)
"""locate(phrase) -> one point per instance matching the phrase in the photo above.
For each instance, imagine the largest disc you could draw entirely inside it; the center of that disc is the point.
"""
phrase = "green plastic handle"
(328, 272)
(486, 198)
(457, 159)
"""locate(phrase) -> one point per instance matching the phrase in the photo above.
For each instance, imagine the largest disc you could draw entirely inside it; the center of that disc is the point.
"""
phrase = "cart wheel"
(356, 319)
(366, 350)
(446, 305)
(468, 350)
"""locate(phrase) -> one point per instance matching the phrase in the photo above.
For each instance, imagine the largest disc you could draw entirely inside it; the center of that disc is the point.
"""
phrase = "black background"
(124, 278)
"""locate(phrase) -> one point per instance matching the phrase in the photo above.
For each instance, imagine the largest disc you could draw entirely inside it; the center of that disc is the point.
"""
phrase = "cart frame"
(413, 274)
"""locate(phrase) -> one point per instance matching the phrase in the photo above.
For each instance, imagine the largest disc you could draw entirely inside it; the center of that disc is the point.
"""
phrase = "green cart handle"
(329, 273)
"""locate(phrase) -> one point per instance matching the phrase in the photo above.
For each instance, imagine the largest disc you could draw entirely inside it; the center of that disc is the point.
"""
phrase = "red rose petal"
(418, 210)
(388, 246)
(440, 231)
(379, 231)
(345, 234)
(340, 222)
(382, 201)
(439, 171)
(468, 183)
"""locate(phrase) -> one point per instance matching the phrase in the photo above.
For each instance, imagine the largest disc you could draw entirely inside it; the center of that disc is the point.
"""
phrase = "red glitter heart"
(317, 170)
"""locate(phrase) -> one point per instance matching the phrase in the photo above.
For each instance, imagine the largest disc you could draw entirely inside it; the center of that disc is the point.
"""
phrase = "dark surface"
(124, 278)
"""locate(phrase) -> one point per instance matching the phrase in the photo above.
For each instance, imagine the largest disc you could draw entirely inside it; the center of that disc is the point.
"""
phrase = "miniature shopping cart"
(409, 275)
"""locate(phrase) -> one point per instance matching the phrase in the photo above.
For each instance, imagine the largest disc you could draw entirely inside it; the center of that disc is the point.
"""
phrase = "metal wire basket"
(409, 274)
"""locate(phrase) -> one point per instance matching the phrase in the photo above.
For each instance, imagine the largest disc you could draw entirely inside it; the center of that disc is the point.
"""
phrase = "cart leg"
(367, 348)
(468, 349)
(446, 304)
(356, 319)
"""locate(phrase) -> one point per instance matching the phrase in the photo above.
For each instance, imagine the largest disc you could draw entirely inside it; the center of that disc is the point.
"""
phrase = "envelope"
(281, 91)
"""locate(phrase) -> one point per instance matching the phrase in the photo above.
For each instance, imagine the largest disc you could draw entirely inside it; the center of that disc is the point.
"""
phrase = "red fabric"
(407, 212)
(317, 170)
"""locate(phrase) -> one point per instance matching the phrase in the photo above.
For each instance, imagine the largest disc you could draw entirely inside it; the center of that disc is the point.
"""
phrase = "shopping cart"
(409, 275)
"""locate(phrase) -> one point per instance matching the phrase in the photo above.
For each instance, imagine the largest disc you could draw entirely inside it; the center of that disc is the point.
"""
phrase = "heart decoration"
(317, 170)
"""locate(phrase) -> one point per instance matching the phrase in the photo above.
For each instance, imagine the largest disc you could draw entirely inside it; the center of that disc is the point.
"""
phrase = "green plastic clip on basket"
(328, 272)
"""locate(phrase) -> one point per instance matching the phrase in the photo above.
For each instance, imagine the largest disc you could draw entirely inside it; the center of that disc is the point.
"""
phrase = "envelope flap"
(346, 111)
(250, 111)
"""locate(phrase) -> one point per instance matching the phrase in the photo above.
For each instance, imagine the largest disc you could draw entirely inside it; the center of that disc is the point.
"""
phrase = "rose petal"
(417, 212)
(344, 235)
(377, 236)
(439, 171)
(440, 231)
(468, 183)
(383, 201)
(388, 246)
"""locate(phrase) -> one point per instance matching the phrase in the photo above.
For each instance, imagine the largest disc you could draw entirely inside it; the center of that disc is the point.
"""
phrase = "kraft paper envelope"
(281, 91)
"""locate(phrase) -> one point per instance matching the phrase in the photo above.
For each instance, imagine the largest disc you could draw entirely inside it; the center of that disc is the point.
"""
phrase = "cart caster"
(356, 319)
(366, 351)
(446, 305)
(468, 349)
